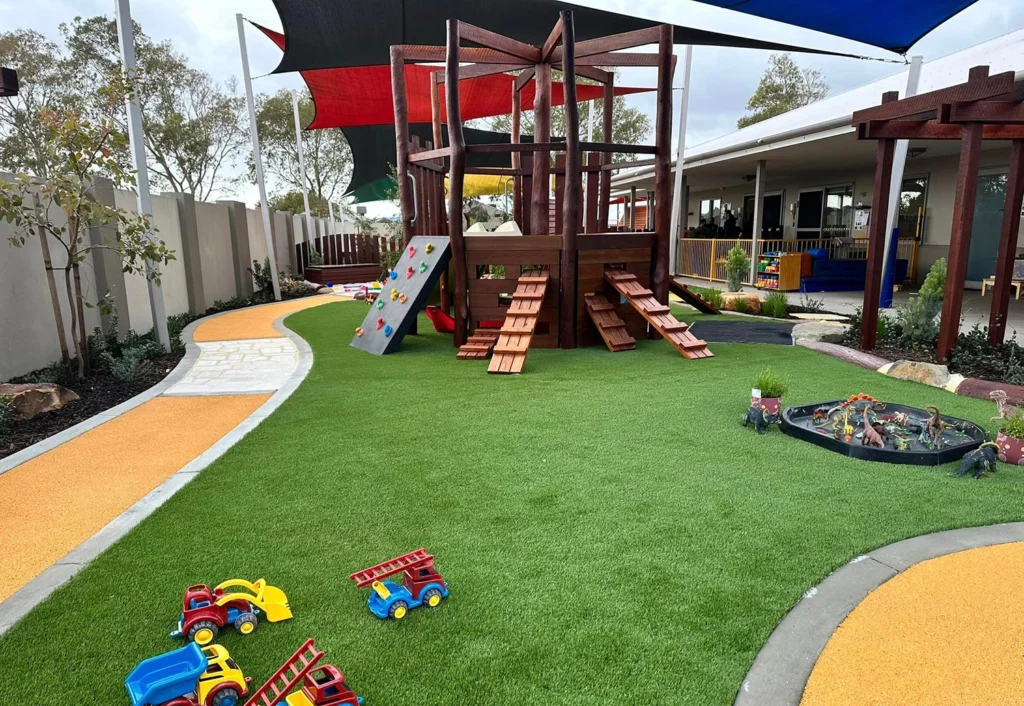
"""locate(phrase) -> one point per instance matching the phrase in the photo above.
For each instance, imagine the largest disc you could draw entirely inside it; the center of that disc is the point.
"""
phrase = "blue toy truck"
(190, 676)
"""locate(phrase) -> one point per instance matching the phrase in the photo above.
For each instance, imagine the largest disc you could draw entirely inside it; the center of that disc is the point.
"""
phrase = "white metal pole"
(678, 207)
(302, 164)
(137, 142)
(256, 158)
(330, 209)
(899, 163)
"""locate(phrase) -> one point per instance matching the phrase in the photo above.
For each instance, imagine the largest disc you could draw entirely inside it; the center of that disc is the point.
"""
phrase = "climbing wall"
(609, 325)
(403, 295)
(520, 323)
(479, 345)
(657, 314)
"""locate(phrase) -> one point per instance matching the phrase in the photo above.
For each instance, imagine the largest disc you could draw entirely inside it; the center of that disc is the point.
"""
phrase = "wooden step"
(601, 307)
(656, 310)
(529, 279)
(523, 330)
(639, 293)
(511, 348)
(677, 327)
(529, 295)
(693, 345)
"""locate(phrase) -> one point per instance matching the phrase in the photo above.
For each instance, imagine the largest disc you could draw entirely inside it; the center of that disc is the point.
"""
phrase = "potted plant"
(1011, 438)
(769, 387)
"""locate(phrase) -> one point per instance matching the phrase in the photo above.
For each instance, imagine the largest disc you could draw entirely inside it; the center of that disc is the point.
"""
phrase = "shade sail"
(326, 34)
(362, 95)
(895, 25)
(373, 154)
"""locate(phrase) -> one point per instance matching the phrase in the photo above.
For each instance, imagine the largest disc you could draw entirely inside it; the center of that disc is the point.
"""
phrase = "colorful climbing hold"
(409, 273)
(412, 250)
(388, 330)
(380, 303)
(359, 331)
(394, 294)
(429, 248)
(380, 324)
(330, 285)
(402, 298)
(423, 266)
(393, 274)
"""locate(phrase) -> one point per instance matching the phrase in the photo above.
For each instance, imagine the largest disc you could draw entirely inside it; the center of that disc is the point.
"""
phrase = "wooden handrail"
(428, 155)
(560, 147)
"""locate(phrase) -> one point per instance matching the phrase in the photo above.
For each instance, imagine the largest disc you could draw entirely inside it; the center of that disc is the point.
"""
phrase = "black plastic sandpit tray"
(839, 426)
(403, 295)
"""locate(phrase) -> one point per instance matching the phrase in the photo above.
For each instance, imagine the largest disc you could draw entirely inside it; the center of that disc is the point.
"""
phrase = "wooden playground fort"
(568, 281)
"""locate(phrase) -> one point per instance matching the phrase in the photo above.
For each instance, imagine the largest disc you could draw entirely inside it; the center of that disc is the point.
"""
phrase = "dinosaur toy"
(1003, 408)
(871, 437)
(981, 460)
(759, 418)
(934, 427)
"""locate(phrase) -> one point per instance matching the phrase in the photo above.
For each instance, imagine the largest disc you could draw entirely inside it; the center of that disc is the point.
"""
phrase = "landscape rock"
(729, 300)
(924, 373)
(822, 331)
(31, 400)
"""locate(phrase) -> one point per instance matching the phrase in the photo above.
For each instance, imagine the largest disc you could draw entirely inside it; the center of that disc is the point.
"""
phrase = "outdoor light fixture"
(8, 83)
(749, 178)
(917, 151)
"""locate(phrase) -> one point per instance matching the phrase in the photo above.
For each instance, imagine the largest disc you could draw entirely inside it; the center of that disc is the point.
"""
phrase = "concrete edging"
(22, 601)
(782, 667)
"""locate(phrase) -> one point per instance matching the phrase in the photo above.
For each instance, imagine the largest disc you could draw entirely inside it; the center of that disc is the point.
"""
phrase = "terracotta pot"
(1010, 450)
(771, 405)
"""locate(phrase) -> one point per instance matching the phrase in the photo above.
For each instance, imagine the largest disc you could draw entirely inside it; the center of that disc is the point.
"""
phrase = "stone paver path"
(239, 367)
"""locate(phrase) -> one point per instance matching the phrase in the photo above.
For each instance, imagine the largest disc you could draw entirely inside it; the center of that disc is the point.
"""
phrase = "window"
(711, 212)
(913, 197)
(838, 211)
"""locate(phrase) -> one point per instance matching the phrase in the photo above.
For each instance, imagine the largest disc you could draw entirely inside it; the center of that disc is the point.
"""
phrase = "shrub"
(263, 280)
(1013, 426)
(6, 415)
(888, 330)
(711, 295)
(934, 287)
(176, 324)
(740, 306)
(812, 304)
(737, 268)
(55, 372)
(131, 365)
(919, 328)
(315, 258)
(775, 305)
(771, 383)
(974, 356)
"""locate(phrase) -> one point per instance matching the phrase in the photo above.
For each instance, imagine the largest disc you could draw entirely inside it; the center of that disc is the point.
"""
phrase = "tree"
(327, 154)
(80, 150)
(293, 201)
(783, 87)
(195, 127)
(44, 86)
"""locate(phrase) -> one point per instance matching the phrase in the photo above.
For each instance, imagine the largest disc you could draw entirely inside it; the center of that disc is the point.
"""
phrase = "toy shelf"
(779, 270)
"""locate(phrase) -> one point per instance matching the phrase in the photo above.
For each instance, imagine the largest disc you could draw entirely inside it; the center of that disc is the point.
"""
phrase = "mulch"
(98, 393)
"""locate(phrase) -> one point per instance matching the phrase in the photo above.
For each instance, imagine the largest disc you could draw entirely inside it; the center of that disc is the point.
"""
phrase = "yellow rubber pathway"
(54, 502)
(945, 632)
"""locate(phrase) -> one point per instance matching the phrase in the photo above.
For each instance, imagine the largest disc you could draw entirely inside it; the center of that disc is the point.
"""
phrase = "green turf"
(610, 533)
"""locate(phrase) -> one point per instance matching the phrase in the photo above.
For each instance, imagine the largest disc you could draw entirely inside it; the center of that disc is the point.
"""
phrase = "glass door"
(988, 221)
(810, 205)
(838, 212)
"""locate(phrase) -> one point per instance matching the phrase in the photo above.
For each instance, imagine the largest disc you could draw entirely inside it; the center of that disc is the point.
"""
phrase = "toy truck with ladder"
(321, 686)
(205, 611)
(421, 585)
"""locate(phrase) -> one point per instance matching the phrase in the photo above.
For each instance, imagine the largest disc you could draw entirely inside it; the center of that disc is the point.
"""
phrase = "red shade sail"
(358, 96)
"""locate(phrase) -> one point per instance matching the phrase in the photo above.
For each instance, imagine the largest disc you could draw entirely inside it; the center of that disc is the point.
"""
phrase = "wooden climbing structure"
(657, 314)
(520, 323)
(691, 297)
(611, 327)
(480, 344)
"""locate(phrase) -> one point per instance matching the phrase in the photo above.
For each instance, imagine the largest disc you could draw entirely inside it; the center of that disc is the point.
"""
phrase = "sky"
(722, 79)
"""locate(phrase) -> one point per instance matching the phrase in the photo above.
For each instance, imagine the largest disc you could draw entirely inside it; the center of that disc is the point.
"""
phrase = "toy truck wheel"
(225, 697)
(432, 598)
(398, 610)
(246, 623)
(203, 633)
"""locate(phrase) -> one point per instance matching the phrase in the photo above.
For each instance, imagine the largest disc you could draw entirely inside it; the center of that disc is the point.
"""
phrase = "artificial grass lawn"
(610, 533)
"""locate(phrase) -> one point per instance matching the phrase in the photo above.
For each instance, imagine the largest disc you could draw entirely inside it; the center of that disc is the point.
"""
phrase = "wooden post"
(540, 206)
(435, 111)
(662, 167)
(960, 237)
(1007, 244)
(517, 162)
(876, 243)
(457, 174)
(571, 204)
(606, 158)
(593, 160)
(402, 139)
(631, 223)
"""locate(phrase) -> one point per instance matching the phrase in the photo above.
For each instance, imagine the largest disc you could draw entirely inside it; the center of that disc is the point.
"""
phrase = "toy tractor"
(421, 585)
(323, 686)
(206, 611)
(190, 676)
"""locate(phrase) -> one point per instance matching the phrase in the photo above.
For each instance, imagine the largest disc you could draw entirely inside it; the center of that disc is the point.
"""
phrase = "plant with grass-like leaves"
(775, 305)
(6, 415)
(1013, 426)
(740, 306)
(711, 295)
(771, 383)
(737, 267)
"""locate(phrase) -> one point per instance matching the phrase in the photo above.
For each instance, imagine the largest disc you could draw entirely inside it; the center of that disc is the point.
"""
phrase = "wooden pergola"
(984, 108)
(531, 169)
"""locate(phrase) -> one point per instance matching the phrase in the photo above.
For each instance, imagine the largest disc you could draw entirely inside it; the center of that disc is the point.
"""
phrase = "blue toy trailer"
(167, 676)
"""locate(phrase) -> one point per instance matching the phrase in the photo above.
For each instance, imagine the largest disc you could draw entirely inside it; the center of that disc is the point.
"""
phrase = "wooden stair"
(609, 325)
(520, 322)
(479, 345)
(658, 315)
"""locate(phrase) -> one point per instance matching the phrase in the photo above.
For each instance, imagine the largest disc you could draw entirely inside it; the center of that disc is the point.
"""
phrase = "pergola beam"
(977, 88)
(552, 41)
(415, 53)
(525, 77)
(499, 42)
(478, 70)
(932, 130)
(614, 42)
